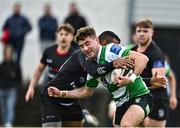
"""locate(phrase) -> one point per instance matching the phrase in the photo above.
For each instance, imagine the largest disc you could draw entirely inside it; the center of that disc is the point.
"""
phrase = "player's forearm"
(35, 79)
(148, 82)
(172, 84)
(79, 93)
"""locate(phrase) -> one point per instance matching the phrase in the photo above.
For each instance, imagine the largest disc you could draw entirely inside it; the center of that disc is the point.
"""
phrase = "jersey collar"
(99, 53)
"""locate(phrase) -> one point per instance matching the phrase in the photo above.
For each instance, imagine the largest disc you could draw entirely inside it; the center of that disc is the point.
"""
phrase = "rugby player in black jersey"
(155, 68)
(72, 75)
(53, 57)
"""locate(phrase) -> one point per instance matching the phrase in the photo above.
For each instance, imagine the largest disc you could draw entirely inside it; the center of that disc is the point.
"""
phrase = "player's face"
(143, 35)
(64, 38)
(8, 54)
(90, 47)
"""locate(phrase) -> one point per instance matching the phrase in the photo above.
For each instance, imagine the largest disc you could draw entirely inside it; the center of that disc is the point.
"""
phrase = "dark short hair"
(108, 36)
(144, 24)
(66, 27)
(84, 32)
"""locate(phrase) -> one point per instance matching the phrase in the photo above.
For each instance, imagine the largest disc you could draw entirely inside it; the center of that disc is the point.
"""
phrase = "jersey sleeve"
(91, 82)
(44, 57)
(115, 50)
(158, 60)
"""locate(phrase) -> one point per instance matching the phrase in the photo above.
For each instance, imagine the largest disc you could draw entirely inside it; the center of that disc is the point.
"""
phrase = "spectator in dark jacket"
(10, 79)
(47, 27)
(74, 19)
(18, 27)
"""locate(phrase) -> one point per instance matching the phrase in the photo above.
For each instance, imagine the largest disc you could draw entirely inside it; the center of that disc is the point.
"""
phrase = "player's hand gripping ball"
(120, 72)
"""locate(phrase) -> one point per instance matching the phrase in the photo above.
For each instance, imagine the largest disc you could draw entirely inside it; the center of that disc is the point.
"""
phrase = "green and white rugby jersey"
(120, 94)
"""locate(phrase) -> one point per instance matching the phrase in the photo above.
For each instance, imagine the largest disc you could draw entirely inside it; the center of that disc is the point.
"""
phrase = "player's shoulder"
(114, 48)
(155, 55)
(50, 50)
(78, 54)
(154, 47)
(52, 47)
(155, 50)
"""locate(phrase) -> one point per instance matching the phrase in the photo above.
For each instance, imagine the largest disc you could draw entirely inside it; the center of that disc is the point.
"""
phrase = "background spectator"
(47, 28)
(10, 79)
(18, 27)
(74, 19)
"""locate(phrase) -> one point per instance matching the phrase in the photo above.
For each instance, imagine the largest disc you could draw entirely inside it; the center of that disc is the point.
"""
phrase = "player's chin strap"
(133, 77)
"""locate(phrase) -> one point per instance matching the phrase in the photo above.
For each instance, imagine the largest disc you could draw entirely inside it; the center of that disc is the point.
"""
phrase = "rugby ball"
(120, 72)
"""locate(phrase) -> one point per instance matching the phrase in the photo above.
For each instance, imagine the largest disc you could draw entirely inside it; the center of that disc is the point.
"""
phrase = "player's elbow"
(144, 59)
(89, 94)
(86, 94)
(139, 57)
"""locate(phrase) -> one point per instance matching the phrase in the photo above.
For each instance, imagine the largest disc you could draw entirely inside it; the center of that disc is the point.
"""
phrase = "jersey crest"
(115, 49)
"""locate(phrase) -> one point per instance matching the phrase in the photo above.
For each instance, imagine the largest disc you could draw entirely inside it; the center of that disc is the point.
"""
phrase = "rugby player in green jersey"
(131, 95)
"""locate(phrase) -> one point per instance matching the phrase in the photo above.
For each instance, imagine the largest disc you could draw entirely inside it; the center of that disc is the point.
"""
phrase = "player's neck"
(98, 52)
(142, 48)
(63, 49)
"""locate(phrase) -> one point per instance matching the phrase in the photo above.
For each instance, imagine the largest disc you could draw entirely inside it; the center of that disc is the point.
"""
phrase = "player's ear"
(97, 39)
(103, 43)
(115, 41)
(152, 32)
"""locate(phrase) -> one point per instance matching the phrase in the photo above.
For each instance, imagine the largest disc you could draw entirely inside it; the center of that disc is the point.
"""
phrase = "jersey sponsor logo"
(73, 85)
(147, 109)
(50, 116)
(161, 112)
(101, 70)
(51, 75)
(137, 100)
(115, 49)
(158, 64)
(49, 60)
(82, 80)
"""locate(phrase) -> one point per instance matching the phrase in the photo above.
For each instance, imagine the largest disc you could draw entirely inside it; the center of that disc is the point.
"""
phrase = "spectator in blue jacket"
(47, 28)
(18, 27)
